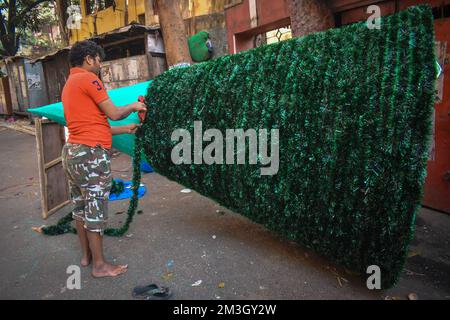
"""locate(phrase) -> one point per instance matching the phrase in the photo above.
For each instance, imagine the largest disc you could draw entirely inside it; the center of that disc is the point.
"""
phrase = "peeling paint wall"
(248, 18)
(124, 72)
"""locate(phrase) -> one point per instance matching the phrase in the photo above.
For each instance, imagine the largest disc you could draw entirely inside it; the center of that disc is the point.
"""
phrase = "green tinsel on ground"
(353, 106)
(117, 187)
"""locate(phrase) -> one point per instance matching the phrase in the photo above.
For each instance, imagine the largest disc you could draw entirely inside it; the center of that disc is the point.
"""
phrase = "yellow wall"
(189, 8)
(108, 19)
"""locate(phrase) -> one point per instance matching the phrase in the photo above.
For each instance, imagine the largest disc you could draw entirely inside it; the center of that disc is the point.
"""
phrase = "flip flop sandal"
(152, 292)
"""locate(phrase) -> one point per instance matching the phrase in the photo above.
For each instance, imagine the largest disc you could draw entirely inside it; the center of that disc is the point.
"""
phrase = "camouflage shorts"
(88, 170)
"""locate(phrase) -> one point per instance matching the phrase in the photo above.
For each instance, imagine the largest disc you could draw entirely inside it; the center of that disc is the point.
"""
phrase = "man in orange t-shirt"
(86, 155)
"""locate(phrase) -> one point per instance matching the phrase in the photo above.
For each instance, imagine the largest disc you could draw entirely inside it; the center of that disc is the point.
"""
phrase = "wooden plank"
(57, 190)
(42, 176)
(143, 69)
(53, 210)
(53, 181)
(23, 87)
(54, 74)
(12, 86)
(53, 139)
(128, 39)
(7, 93)
(53, 163)
(158, 66)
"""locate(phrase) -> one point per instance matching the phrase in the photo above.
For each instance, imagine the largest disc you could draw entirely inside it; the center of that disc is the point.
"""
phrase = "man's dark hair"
(82, 49)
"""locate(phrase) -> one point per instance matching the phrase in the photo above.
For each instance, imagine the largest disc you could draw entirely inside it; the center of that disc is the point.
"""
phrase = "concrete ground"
(205, 241)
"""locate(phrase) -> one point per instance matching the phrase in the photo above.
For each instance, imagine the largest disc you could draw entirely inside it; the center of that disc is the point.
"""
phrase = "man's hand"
(129, 128)
(139, 106)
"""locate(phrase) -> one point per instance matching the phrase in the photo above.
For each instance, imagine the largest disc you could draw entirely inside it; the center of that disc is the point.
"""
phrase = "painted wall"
(107, 19)
(37, 87)
(110, 19)
(240, 28)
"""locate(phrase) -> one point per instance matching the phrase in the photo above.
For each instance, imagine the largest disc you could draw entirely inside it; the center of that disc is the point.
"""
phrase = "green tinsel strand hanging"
(367, 127)
(118, 232)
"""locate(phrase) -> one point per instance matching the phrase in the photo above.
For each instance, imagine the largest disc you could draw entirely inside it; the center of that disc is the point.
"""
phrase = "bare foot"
(86, 260)
(109, 270)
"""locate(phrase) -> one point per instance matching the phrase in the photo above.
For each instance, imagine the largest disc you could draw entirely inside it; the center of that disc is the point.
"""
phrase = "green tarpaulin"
(120, 97)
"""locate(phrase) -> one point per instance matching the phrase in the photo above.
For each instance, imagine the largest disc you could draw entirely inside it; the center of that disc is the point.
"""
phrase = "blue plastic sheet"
(127, 192)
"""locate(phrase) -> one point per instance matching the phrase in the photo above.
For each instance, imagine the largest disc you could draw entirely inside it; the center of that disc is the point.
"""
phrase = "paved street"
(205, 241)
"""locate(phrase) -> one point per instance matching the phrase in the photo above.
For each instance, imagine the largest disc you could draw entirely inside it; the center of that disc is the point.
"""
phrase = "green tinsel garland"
(117, 187)
(353, 106)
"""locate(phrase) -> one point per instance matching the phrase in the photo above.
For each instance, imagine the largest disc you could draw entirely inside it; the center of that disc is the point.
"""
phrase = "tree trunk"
(9, 37)
(174, 33)
(61, 11)
(150, 15)
(308, 16)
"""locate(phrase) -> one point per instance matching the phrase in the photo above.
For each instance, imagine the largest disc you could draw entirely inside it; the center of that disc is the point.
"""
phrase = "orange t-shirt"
(86, 122)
